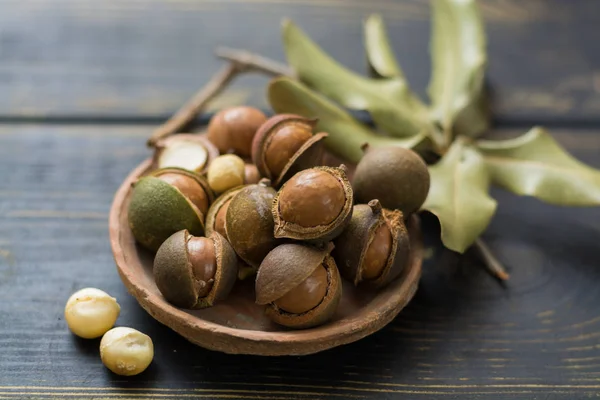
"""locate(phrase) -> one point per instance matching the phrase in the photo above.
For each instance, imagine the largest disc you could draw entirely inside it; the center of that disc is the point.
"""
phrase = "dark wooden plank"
(124, 59)
(464, 336)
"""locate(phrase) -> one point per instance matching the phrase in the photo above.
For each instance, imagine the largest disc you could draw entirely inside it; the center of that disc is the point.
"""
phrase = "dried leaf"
(459, 59)
(346, 134)
(459, 197)
(388, 100)
(536, 165)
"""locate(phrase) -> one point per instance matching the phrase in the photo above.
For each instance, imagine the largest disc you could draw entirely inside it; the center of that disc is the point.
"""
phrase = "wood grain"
(463, 336)
(136, 59)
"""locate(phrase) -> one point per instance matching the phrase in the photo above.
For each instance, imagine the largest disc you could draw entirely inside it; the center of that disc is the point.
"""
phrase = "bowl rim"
(242, 341)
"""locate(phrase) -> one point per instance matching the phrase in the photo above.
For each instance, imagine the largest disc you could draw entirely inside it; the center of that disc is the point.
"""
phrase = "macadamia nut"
(226, 172)
(126, 351)
(90, 313)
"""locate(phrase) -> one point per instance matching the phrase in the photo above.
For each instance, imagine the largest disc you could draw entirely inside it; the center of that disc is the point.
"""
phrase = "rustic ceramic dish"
(238, 325)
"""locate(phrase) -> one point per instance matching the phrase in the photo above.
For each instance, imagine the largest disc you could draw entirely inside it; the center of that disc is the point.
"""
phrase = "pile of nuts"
(252, 198)
(91, 313)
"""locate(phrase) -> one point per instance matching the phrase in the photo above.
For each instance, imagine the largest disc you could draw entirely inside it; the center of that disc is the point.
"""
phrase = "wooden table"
(82, 85)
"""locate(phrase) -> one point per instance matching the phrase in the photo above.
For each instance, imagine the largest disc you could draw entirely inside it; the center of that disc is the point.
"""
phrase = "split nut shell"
(194, 271)
(249, 222)
(165, 202)
(299, 284)
(375, 246)
(216, 216)
(284, 145)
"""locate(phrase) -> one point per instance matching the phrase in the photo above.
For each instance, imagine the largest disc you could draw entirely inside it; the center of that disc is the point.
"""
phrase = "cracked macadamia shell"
(285, 145)
(158, 209)
(288, 266)
(216, 216)
(353, 245)
(175, 278)
(249, 223)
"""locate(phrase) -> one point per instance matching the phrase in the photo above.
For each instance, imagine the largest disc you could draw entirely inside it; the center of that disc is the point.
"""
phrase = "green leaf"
(346, 134)
(388, 100)
(459, 59)
(379, 51)
(535, 165)
(383, 62)
(459, 197)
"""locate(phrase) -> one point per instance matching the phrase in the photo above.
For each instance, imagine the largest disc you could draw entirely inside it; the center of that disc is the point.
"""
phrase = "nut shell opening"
(216, 215)
(157, 210)
(249, 223)
(318, 315)
(195, 272)
(355, 255)
(307, 295)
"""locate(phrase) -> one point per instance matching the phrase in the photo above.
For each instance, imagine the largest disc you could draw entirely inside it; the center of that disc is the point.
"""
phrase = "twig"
(192, 108)
(247, 61)
(240, 61)
(493, 265)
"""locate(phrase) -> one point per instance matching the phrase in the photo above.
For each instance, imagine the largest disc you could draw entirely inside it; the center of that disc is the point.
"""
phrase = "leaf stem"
(493, 265)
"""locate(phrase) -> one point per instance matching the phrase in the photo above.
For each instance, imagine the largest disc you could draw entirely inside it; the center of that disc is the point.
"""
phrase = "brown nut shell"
(287, 202)
(382, 165)
(251, 174)
(215, 217)
(285, 143)
(233, 129)
(175, 276)
(249, 222)
(352, 246)
(286, 267)
(174, 152)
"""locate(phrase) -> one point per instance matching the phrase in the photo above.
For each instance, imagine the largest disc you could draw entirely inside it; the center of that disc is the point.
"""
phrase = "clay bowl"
(238, 325)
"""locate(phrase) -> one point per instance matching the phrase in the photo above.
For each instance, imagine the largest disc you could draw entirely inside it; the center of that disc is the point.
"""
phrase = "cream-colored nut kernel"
(126, 351)
(90, 313)
(184, 154)
(226, 172)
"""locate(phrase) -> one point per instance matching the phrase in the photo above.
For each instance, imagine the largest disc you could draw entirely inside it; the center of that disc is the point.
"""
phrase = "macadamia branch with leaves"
(449, 126)
(447, 131)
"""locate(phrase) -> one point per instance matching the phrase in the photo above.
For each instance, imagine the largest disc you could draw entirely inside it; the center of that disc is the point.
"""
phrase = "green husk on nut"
(375, 246)
(314, 205)
(285, 145)
(283, 282)
(167, 201)
(215, 217)
(249, 223)
(195, 272)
